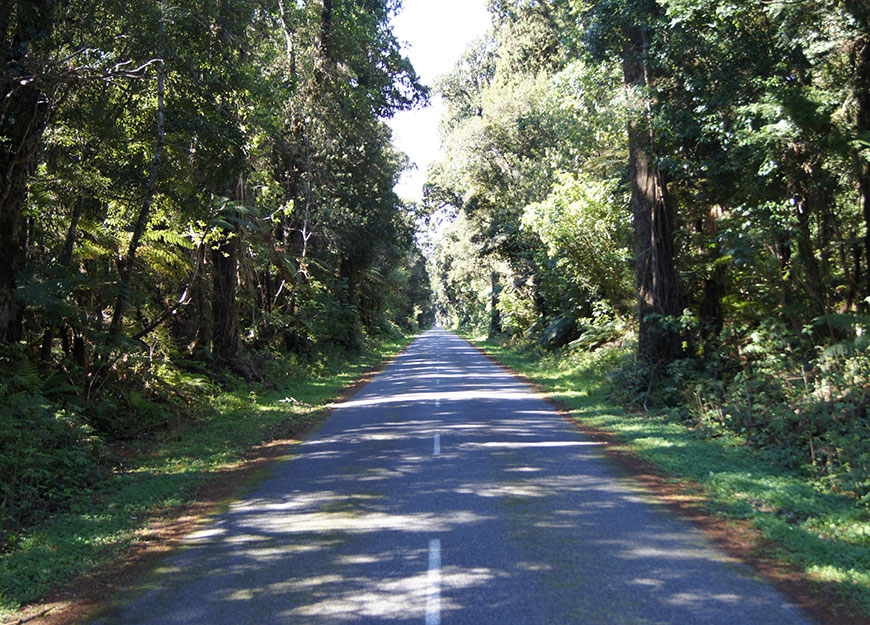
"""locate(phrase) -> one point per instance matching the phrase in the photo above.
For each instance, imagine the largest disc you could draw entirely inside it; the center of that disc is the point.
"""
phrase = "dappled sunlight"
(502, 490)
(352, 522)
(528, 445)
(433, 395)
(690, 598)
(657, 550)
(522, 507)
(400, 599)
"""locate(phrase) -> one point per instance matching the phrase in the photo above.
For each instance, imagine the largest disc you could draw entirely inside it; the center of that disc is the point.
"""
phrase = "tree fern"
(854, 327)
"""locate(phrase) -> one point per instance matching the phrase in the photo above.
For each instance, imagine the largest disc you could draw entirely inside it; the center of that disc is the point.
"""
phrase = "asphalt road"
(446, 492)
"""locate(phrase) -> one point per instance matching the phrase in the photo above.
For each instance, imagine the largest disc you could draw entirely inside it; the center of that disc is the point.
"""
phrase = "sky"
(434, 34)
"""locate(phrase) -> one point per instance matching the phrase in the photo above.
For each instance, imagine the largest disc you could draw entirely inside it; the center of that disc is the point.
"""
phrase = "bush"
(804, 406)
(48, 454)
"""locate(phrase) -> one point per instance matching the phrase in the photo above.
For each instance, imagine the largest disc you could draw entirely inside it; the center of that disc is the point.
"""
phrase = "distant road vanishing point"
(446, 491)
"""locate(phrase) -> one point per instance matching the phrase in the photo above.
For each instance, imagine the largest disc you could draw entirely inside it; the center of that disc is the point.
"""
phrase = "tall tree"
(26, 28)
(659, 298)
(628, 28)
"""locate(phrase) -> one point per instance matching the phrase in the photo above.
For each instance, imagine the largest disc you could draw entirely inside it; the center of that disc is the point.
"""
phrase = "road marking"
(433, 594)
(436, 449)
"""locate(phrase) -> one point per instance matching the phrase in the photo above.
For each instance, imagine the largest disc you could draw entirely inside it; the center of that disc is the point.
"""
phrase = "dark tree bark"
(712, 314)
(658, 287)
(24, 111)
(349, 272)
(325, 35)
(495, 327)
(862, 97)
(125, 270)
(64, 260)
(225, 308)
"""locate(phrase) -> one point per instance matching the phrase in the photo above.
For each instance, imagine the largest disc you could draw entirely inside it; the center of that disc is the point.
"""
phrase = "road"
(445, 491)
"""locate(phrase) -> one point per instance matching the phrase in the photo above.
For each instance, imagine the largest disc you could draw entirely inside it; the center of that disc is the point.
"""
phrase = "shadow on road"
(533, 524)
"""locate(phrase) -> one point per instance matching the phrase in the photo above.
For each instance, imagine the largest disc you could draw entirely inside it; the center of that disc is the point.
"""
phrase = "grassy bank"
(822, 536)
(159, 478)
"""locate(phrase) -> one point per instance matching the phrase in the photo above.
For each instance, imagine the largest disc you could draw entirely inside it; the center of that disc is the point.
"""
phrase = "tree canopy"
(202, 186)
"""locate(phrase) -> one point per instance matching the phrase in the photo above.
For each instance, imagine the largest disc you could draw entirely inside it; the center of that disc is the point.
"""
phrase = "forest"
(190, 190)
(205, 191)
(687, 179)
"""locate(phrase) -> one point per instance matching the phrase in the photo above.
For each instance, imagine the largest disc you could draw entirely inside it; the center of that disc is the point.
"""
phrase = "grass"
(823, 535)
(162, 476)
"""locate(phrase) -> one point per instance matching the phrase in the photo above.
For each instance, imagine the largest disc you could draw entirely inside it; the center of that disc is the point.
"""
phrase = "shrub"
(48, 454)
(804, 407)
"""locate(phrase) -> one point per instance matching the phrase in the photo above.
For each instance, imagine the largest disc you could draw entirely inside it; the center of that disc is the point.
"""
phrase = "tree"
(203, 173)
(501, 150)
(629, 29)
(27, 30)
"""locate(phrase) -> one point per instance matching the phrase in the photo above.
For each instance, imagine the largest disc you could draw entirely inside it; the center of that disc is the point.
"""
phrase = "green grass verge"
(166, 474)
(823, 534)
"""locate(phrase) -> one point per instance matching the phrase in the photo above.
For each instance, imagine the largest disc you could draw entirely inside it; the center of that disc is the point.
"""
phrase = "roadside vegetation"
(159, 476)
(198, 209)
(806, 524)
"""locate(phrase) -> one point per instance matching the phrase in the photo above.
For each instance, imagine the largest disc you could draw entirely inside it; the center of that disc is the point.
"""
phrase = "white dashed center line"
(433, 594)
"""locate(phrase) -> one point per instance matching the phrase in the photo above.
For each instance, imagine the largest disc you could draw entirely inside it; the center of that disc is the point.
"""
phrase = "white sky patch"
(434, 34)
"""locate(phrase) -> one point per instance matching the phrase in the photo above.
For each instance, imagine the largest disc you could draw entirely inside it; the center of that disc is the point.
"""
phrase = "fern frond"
(842, 322)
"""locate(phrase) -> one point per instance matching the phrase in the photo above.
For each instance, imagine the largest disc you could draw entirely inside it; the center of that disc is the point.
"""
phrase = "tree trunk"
(23, 115)
(225, 308)
(495, 327)
(659, 297)
(349, 273)
(712, 315)
(203, 309)
(64, 260)
(782, 245)
(325, 34)
(862, 97)
(812, 275)
(125, 271)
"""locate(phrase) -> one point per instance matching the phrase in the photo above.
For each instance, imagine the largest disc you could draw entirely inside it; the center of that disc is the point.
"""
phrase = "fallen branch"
(32, 617)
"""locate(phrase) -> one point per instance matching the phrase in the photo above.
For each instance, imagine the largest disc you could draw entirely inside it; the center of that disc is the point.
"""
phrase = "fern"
(48, 453)
(25, 379)
(855, 327)
(843, 322)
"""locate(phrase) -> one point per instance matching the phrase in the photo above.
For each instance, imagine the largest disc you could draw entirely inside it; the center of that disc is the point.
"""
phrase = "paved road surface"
(446, 492)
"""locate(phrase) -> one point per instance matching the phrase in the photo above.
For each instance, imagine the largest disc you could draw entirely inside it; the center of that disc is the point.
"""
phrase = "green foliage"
(760, 142)
(527, 129)
(462, 289)
(602, 328)
(809, 415)
(49, 454)
(260, 205)
(207, 195)
(98, 512)
(584, 227)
